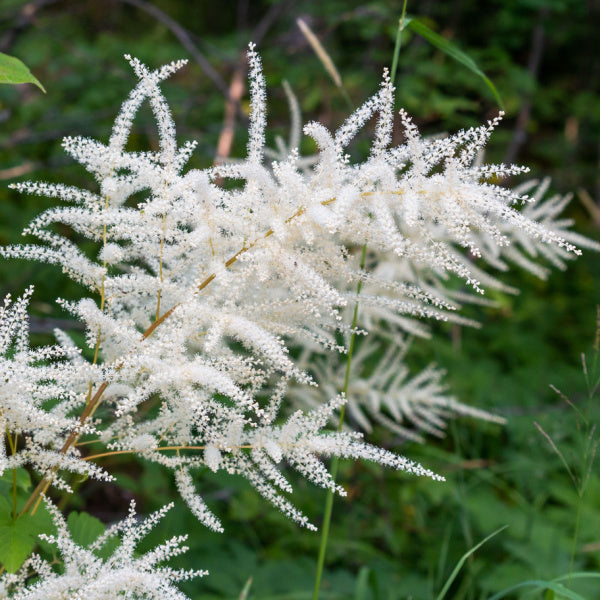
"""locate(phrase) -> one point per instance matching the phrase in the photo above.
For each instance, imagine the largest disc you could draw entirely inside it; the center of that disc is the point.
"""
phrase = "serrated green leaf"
(451, 50)
(108, 548)
(13, 71)
(84, 528)
(16, 543)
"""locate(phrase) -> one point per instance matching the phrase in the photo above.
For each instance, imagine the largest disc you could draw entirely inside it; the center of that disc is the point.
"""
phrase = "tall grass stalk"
(586, 438)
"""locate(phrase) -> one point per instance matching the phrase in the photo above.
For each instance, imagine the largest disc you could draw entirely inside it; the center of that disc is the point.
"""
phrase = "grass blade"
(324, 57)
(558, 588)
(462, 561)
(246, 590)
(453, 51)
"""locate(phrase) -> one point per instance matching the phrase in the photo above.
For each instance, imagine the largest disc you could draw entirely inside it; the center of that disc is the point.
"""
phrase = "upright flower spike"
(148, 88)
(258, 105)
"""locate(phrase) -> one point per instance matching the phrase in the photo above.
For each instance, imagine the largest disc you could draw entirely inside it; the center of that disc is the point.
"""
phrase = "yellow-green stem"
(160, 269)
(13, 449)
(334, 463)
(575, 537)
(398, 42)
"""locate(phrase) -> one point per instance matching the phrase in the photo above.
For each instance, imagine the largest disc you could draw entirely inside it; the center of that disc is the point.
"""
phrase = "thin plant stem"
(462, 561)
(325, 59)
(334, 463)
(13, 449)
(73, 437)
(575, 537)
(560, 455)
(398, 42)
(160, 449)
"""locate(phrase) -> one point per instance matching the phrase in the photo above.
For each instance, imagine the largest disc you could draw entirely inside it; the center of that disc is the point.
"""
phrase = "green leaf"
(16, 543)
(554, 587)
(451, 50)
(6, 511)
(19, 537)
(362, 584)
(84, 528)
(42, 522)
(23, 480)
(12, 70)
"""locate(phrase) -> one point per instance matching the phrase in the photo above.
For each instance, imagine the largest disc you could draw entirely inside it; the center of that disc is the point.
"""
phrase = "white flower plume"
(387, 395)
(31, 380)
(86, 576)
(199, 292)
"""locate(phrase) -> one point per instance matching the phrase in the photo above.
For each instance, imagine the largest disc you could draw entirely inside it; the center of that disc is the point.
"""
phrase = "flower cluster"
(198, 292)
(86, 576)
(30, 380)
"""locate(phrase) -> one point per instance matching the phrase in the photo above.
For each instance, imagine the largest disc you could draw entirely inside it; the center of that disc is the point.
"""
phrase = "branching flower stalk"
(203, 291)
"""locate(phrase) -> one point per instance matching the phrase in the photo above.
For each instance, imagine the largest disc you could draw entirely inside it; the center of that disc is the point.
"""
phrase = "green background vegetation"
(395, 536)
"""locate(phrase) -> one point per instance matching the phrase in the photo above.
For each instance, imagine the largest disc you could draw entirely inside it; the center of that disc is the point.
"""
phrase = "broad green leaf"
(16, 543)
(12, 70)
(41, 522)
(23, 480)
(6, 510)
(19, 537)
(84, 528)
(451, 50)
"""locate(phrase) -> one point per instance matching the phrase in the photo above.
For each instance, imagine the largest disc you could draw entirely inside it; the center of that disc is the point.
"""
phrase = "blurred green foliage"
(395, 537)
